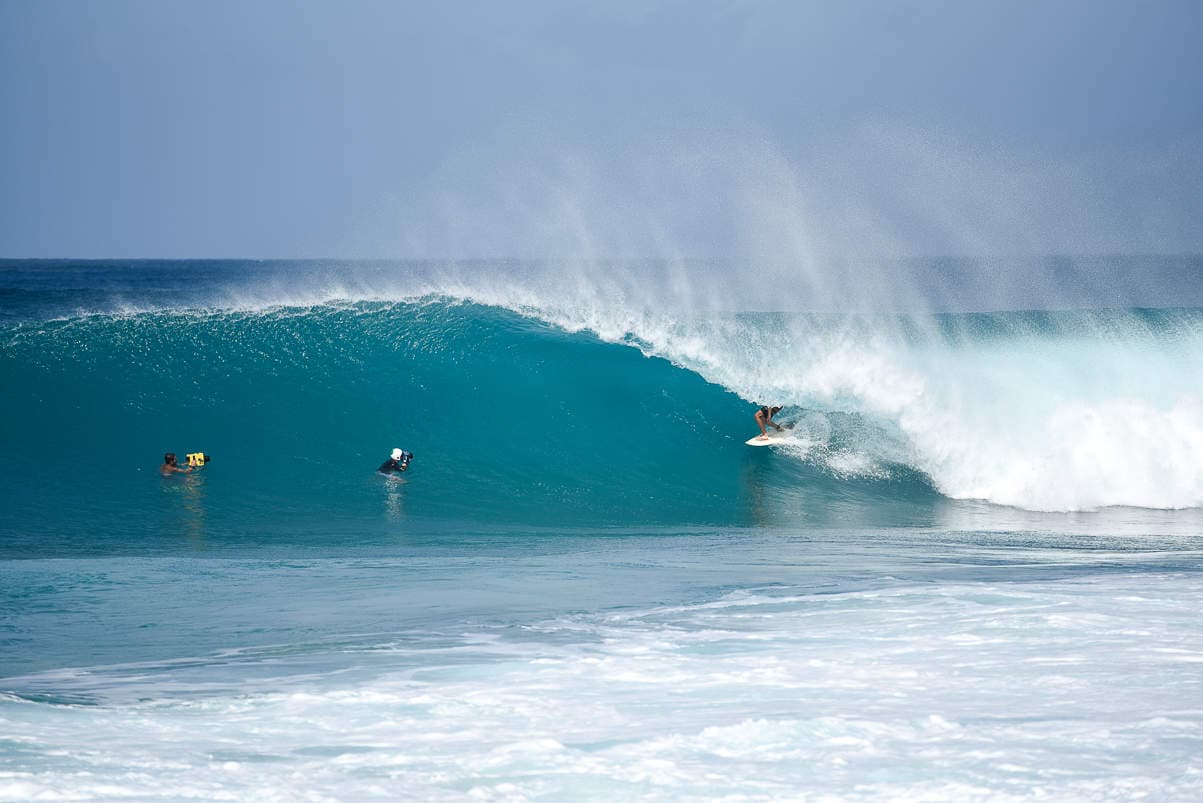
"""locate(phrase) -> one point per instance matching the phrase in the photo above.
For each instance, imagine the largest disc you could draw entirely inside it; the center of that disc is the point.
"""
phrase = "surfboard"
(766, 440)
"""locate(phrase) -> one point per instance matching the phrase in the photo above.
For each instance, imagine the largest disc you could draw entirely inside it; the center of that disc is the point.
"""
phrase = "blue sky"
(762, 129)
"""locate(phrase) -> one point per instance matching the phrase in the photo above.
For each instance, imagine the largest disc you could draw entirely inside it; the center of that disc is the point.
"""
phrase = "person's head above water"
(169, 458)
(398, 461)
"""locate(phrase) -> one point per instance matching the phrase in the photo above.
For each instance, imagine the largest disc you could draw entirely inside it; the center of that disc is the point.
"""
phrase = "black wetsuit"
(391, 465)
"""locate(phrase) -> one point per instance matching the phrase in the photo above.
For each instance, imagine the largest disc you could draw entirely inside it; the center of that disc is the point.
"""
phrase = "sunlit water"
(587, 587)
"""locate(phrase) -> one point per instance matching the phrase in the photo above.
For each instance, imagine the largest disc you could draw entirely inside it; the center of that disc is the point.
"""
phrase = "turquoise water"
(970, 572)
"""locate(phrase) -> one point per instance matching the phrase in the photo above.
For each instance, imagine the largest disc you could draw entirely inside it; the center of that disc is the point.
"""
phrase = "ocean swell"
(526, 397)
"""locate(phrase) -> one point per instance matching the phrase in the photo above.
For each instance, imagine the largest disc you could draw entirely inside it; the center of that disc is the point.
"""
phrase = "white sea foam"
(998, 691)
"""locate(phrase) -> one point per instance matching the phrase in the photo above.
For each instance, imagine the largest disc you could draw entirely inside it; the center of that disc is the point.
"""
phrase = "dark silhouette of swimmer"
(399, 461)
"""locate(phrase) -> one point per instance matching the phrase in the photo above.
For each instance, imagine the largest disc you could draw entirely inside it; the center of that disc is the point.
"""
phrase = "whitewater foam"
(929, 691)
(1053, 421)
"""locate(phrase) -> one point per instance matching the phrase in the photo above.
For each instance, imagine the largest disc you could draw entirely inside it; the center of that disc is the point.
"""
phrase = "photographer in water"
(170, 466)
(399, 461)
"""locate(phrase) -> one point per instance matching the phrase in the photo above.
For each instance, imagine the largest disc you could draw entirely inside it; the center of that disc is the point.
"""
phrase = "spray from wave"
(1042, 410)
(1049, 383)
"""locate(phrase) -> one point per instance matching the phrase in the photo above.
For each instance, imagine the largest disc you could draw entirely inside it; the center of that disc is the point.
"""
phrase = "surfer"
(170, 467)
(398, 461)
(764, 418)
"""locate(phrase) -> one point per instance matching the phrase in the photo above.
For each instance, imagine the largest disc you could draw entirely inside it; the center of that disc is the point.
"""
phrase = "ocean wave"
(536, 366)
(1044, 411)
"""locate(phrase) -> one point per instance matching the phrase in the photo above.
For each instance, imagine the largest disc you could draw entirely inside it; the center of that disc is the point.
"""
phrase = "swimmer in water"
(170, 466)
(397, 462)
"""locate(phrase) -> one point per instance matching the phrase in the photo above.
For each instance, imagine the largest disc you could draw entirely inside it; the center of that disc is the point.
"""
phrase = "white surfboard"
(767, 440)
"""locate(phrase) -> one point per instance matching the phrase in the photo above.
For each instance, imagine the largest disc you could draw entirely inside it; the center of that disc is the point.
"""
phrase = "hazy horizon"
(760, 131)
